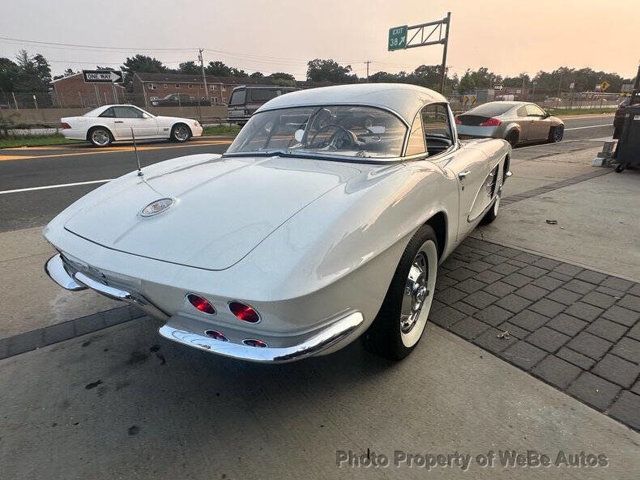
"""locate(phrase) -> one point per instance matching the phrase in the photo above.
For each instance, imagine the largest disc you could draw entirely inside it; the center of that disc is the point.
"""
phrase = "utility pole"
(368, 62)
(204, 77)
(444, 53)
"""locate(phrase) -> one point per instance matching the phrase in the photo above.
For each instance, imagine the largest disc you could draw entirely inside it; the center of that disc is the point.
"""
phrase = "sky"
(282, 35)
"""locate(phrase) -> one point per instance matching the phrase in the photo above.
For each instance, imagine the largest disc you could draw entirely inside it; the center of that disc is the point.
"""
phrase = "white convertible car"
(324, 221)
(113, 123)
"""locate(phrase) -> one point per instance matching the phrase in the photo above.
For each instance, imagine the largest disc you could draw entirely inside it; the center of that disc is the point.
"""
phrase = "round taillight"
(254, 342)
(201, 304)
(215, 335)
(244, 312)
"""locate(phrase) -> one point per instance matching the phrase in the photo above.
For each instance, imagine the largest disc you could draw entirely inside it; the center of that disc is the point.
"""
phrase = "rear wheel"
(513, 137)
(100, 137)
(403, 316)
(180, 133)
(556, 134)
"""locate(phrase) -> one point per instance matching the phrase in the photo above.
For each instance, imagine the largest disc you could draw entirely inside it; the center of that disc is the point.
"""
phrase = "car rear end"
(73, 128)
(485, 121)
(475, 126)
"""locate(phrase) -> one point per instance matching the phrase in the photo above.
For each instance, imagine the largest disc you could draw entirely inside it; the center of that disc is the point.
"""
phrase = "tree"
(281, 78)
(257, 75)
(218, 69)
(521, 81)
(8, 74)
(141, 63)
(481, 78)
(33, 74)
(189, 67)
(319, 70)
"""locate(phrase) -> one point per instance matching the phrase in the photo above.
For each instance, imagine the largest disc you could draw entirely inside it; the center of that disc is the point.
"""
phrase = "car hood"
(223, 206)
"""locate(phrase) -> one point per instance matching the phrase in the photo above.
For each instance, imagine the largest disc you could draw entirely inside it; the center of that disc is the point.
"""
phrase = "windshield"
(348, 131)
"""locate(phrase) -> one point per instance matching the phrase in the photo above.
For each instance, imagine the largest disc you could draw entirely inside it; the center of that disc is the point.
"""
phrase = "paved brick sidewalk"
(574, 328)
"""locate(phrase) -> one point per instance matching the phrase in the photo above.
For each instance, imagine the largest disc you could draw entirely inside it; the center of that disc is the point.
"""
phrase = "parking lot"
(534, 344)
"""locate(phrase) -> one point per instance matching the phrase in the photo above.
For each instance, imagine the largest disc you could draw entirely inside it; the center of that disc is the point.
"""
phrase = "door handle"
(118, 121)
(463, 175)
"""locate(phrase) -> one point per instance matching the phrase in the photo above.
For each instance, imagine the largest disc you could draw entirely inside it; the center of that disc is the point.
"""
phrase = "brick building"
(147, 86)
(73, 91)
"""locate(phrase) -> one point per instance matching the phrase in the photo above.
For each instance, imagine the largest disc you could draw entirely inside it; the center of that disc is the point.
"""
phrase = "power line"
(248, 56)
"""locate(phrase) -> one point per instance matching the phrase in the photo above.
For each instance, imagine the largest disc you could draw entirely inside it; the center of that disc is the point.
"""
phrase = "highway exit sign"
(398, 38)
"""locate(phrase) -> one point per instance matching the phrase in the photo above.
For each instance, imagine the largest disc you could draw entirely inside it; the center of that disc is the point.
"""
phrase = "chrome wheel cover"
(418, 294)
(181, 133)
(100, 137)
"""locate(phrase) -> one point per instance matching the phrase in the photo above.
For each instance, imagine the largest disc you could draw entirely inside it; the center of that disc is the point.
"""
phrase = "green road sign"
(398, 38)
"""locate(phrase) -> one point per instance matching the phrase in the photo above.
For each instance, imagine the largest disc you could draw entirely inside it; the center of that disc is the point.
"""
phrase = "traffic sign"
(603, 86)
(497, 87)
(103, 76)
(398, 38)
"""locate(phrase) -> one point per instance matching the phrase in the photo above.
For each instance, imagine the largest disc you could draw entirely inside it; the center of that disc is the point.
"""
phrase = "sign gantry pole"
(423, 35)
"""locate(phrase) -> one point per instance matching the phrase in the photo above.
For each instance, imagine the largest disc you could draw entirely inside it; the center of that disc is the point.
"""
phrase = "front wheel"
(180, 133)
(399, 325)
(492, 214)
(556, 134)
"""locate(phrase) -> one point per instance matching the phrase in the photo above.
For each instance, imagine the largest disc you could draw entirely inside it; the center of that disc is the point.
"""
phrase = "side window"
(416, 144)
(108, 113)
(534, 111)
(127, 112)
(437, 128)
(522, 112)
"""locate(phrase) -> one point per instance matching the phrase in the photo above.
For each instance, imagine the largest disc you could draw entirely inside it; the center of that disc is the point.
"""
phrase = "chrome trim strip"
(322, 340)
(122, 295)
(58, 273)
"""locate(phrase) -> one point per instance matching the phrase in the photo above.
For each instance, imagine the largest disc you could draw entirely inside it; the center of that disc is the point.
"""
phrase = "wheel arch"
(439, 223)
(180, 122)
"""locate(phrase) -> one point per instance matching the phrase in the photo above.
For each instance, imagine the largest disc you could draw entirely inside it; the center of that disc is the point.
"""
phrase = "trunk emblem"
(156, 207)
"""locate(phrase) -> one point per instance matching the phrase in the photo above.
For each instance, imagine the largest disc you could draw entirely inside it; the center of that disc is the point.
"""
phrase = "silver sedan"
(516, 122)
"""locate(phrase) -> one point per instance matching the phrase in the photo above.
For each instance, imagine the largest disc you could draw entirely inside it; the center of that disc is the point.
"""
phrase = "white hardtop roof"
(403, 99)
(98, 110)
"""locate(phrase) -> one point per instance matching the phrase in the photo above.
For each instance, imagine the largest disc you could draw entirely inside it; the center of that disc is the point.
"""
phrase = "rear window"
(238, 97)
(491, 109)
(263, 94)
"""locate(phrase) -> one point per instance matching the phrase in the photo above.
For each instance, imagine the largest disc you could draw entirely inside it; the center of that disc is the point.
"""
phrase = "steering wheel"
(333, 140)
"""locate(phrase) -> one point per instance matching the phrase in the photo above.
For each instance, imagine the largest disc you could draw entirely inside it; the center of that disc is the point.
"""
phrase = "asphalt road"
(27, 170)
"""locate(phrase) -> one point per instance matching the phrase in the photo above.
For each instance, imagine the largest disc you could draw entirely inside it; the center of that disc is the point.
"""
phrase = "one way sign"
(102, 76)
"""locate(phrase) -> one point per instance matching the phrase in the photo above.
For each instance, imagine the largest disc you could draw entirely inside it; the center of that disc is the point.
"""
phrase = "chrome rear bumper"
(322, 340)
(59, 273)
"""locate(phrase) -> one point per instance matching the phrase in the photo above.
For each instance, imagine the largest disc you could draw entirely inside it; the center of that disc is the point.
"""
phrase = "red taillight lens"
(201, 304)
(253, 342)
(64, 125)
(491, 122)
(458, 121)
(244, 312)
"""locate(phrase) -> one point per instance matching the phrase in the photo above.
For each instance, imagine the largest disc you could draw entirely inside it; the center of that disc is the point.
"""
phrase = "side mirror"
(299, 135)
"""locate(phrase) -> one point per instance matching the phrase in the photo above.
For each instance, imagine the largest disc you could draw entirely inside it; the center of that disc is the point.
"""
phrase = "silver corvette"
(324, 221)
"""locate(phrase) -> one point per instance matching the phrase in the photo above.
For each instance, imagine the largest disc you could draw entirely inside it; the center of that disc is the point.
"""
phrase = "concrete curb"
(42, 337)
